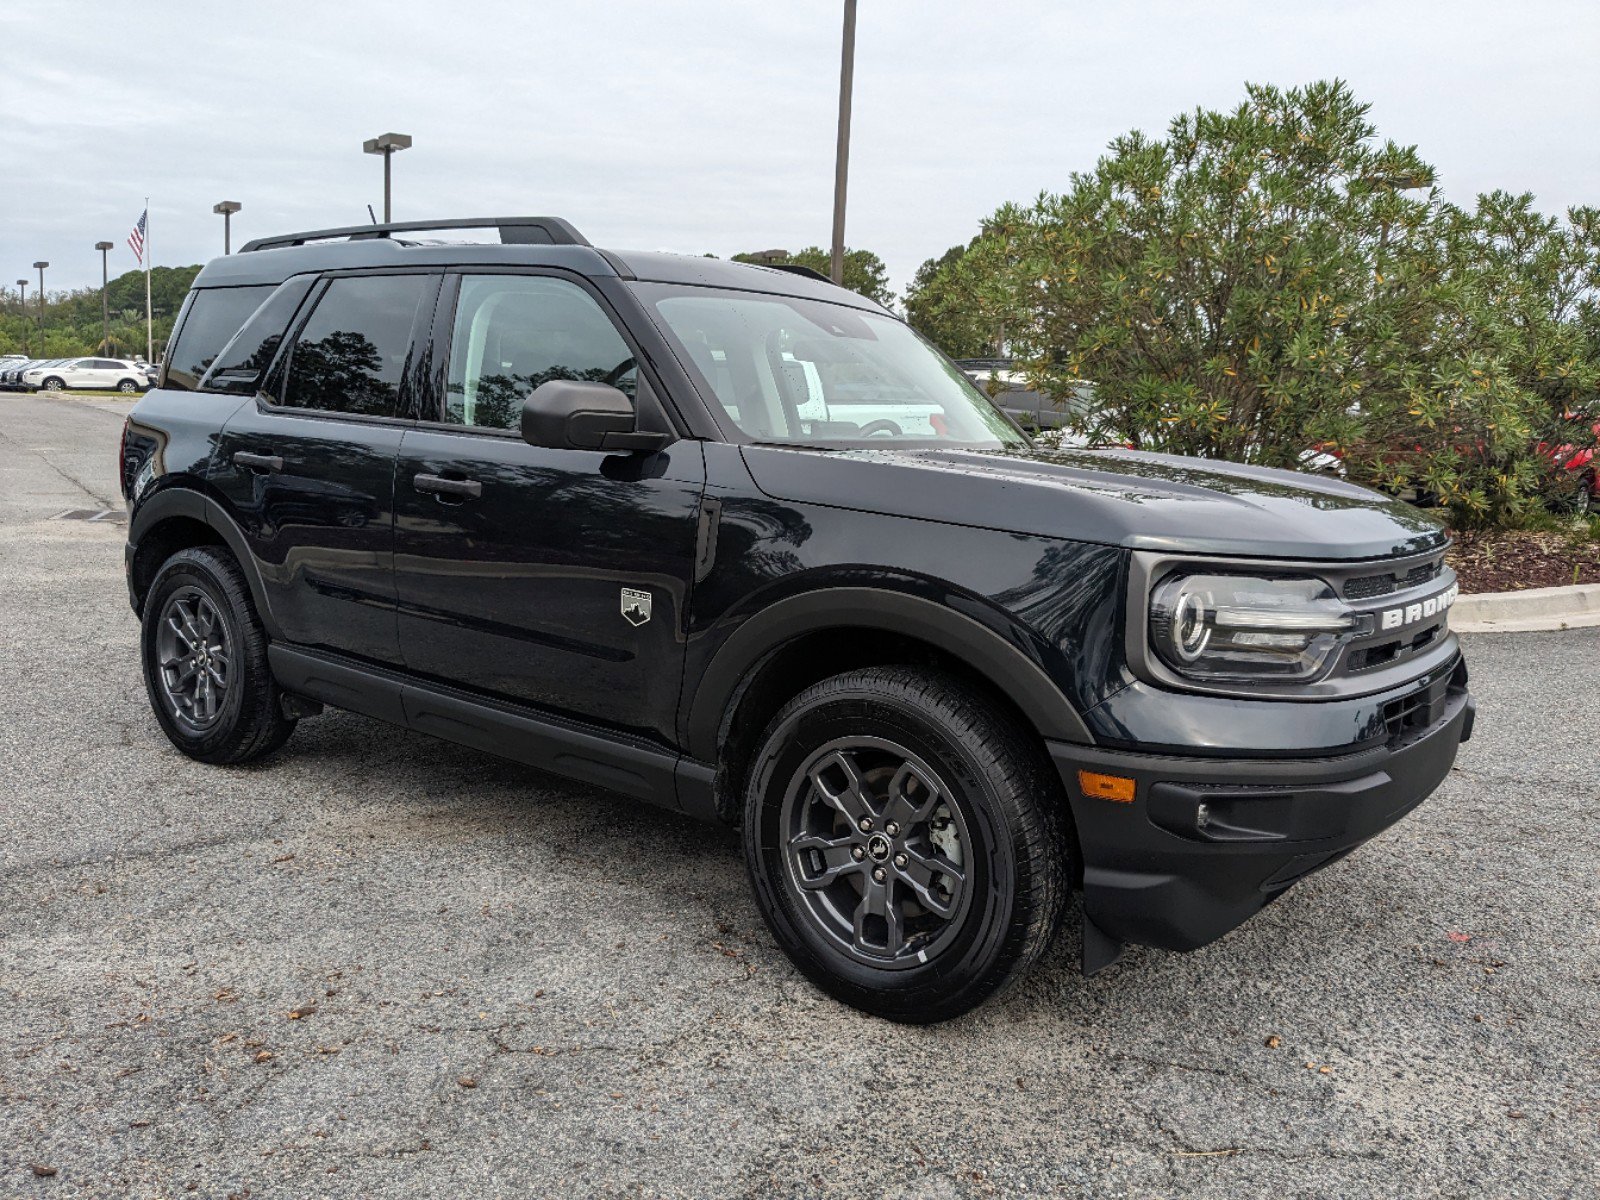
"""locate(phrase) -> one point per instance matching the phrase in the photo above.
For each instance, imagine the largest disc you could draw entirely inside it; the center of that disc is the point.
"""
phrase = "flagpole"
(149, 326)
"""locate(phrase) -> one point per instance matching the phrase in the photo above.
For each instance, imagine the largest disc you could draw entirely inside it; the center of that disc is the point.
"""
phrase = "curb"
(1574, 607)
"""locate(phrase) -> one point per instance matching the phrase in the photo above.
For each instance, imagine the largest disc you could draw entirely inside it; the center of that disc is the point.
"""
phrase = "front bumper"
(1207, 842)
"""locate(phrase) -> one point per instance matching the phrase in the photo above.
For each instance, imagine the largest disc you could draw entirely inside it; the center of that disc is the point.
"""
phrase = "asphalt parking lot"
(382, 965)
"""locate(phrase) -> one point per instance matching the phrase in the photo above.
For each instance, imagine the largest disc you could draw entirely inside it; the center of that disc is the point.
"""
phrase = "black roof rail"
(514, 231)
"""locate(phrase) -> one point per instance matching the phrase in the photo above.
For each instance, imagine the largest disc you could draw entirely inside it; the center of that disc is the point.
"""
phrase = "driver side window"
(514, 332)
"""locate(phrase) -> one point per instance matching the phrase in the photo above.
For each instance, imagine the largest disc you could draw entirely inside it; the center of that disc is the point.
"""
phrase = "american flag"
(136, 238)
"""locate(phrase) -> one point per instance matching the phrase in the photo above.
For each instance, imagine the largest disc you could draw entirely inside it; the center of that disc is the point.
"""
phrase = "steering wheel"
(882, 425)
(618, 371)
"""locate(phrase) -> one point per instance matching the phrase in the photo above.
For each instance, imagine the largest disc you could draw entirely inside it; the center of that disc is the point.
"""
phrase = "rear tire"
(127, 386)
(906, 845)
(205, 661)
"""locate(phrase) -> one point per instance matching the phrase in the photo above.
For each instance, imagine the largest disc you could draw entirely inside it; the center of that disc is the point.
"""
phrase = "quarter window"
(351, 354)
(243, 361)
(214, 316)
(514, 332)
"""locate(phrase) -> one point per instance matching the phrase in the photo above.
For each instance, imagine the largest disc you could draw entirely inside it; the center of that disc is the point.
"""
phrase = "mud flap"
(1100, 949)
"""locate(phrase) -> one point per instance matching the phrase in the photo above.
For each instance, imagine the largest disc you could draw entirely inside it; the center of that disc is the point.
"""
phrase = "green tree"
(1272, 279)
(864, 272)
(71, 323)
(943, 305)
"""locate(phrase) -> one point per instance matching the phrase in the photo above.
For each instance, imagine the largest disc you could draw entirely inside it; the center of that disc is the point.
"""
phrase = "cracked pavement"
(380, 965)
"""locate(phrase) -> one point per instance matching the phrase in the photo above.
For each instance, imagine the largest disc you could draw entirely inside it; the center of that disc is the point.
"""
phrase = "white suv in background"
(113, 373)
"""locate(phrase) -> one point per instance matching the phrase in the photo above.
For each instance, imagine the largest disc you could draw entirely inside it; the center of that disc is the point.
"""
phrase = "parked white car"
(113, 373)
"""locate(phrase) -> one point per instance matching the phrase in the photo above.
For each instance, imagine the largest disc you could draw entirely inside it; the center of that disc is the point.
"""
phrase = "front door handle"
(264, 464)
(438, 485)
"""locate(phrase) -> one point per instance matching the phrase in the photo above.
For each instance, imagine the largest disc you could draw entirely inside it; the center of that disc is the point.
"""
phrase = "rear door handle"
(461, 489)
(266, 464)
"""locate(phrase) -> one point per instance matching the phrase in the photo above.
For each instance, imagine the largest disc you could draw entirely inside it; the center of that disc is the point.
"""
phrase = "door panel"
(519, 590)
(308, 470)
(321, 524)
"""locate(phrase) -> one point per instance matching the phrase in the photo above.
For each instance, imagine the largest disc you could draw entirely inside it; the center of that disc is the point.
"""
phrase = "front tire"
(205, 661)
(905, 843)
(54, 384)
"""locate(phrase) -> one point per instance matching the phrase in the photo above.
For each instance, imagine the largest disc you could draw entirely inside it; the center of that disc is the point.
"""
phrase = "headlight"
(1245, 627)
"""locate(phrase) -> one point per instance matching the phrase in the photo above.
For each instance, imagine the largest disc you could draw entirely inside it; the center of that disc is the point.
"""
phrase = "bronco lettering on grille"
(1394, 618)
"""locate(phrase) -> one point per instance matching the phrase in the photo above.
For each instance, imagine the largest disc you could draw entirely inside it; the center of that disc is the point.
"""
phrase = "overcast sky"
(708, 125)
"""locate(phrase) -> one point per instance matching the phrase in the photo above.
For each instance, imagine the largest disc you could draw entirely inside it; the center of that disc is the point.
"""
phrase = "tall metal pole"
(149, 312)
(841, 166)
(386, 144)
(227, 208)
(41, 266)
(105, 305)
(22, 296)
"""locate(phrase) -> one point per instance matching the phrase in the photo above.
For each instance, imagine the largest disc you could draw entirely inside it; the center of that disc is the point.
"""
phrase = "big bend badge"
(635, 606)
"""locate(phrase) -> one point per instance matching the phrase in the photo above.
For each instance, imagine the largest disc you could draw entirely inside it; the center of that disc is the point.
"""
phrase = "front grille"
(1365, 587)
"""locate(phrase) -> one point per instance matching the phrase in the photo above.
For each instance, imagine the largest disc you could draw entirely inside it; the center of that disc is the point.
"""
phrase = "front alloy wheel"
(877, 850)
(906, 841)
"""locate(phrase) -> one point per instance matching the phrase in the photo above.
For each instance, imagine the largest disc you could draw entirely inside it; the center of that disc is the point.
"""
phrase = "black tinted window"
(244, 360)
(215, 315)
(351, 354)
(514, 332)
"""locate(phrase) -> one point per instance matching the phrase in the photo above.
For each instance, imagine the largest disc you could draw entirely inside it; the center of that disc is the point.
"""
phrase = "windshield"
(804, 372)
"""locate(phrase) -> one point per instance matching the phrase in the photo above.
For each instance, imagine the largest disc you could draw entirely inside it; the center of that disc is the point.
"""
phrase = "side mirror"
(574, 414)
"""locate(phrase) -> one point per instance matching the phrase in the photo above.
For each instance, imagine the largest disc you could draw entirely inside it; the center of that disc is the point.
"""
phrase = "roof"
(270, 261)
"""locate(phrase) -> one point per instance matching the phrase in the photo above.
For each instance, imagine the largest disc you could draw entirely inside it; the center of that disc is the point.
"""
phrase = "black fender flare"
(184, 502)
(974, 643)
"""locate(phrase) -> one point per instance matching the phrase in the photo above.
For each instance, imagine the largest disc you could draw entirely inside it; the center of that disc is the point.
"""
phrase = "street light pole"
(22, 294)
(386, 144)
(105, 309)
(227, 208)
(41, 266)
(841, 164)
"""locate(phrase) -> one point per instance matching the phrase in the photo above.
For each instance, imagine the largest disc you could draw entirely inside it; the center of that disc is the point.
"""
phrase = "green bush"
(1274, 280)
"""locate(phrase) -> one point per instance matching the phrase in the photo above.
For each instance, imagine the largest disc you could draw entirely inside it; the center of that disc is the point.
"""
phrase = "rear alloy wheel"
(205, 661)
(905, 843)
(127, 386)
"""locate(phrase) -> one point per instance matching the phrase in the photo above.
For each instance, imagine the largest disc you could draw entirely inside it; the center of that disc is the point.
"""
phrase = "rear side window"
(215, 315)
(351, 353)
(243, 362)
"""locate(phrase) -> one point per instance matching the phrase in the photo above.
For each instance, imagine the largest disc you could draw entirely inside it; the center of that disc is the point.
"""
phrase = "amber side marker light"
(1106, 787)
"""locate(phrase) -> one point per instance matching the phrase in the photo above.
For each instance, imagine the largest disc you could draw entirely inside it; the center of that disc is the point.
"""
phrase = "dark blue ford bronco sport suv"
(739, 543)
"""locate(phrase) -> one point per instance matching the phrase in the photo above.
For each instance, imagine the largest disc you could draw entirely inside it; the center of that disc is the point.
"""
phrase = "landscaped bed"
(1510, 560)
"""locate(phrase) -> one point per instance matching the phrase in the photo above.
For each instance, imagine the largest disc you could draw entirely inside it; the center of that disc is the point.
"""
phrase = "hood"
(1116, 497)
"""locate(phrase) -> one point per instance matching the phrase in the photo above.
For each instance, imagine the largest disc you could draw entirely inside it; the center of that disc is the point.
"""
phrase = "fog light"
(1202, 815)
(1106, 787)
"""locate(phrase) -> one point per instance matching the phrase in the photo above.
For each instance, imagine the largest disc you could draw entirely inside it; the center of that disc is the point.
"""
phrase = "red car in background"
(1580, 462)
